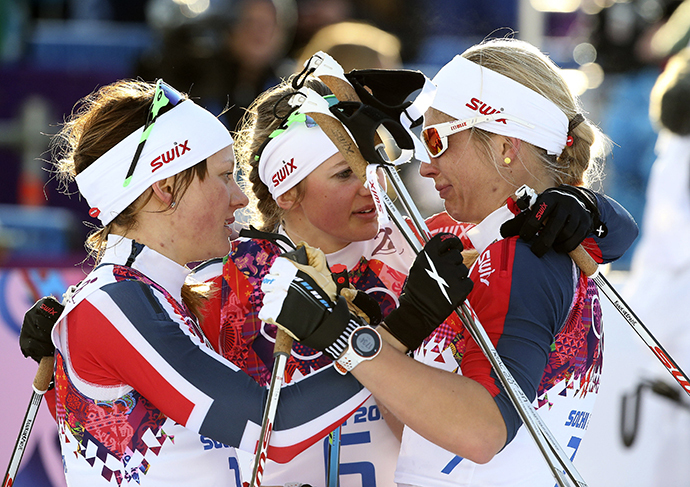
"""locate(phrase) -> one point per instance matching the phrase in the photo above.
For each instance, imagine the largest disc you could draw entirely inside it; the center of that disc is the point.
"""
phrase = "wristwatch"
(364, 344)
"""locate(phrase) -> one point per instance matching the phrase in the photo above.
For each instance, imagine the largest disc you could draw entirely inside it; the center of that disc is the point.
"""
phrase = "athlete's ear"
(289, 200)
(163, 191)
(510, 148)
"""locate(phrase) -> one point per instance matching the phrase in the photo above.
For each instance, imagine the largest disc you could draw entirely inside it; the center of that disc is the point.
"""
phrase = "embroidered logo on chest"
(484, 267)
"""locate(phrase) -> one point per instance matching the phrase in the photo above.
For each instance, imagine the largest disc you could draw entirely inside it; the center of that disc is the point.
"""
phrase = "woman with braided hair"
(322, 202)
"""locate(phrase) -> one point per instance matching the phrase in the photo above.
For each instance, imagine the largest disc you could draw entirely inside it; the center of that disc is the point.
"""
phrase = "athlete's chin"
(220, 248)
(364, 231)
(453, 210)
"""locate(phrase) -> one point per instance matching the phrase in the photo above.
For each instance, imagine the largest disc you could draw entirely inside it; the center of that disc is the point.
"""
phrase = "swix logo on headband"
(281, 174)
(479, 106)
(169, 156)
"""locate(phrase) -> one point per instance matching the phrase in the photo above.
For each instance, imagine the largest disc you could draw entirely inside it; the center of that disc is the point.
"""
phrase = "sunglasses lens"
(432, 141)
(165, 98)
(171, 93)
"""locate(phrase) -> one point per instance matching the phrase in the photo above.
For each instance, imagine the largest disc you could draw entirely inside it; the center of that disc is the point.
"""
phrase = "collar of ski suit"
(488, 230)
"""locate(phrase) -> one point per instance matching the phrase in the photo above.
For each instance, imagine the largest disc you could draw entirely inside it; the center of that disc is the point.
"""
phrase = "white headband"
(466, 89)
(292, 155)
(180, 138)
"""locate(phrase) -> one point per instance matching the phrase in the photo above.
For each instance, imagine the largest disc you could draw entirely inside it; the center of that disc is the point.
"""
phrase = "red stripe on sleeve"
(237, 281)
(283, 454)
(100, 355)
(590, 245)
(50, 402)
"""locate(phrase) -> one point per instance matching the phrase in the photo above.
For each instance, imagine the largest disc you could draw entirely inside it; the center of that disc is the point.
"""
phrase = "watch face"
(365, 342)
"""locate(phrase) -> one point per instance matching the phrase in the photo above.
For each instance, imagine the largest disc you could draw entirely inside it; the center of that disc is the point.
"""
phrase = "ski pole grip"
(283, 343)
(44, 375)
(342, 140)
(342, 90)
(584, 261)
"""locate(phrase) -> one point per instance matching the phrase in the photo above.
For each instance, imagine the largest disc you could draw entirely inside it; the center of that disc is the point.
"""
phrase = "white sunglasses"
(435, 137)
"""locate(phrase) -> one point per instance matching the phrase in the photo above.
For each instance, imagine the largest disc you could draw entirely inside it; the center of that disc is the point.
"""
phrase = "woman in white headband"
(140, 394)
(502, 117)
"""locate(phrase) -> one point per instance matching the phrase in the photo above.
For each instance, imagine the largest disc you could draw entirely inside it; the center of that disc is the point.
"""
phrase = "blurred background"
(225, 52)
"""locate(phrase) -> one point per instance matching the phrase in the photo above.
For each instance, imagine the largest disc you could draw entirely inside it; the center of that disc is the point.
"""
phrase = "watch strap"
(350, 358)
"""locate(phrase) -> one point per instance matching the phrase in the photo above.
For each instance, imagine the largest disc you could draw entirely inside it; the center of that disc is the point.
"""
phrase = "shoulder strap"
(252, 232)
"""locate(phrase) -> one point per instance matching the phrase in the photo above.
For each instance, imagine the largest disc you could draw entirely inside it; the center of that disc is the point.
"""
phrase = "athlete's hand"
(363, 305)
(436, 286)
(34, 337)
(301, 299)
(359, 302)
(561, 218)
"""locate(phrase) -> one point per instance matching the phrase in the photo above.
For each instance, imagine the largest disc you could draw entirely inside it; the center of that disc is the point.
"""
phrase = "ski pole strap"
(389, 89)
(323, 66)
(363, 122)
(254, 233)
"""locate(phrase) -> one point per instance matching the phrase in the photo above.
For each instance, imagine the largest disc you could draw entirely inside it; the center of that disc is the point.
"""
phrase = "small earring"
(507, 160)
(172, 205)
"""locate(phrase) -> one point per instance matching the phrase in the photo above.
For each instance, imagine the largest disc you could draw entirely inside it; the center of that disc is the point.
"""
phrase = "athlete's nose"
(428, 169)
(237, 197)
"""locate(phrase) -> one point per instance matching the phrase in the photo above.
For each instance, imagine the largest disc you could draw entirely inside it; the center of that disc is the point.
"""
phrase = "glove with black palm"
(561, 218)
(436, 286)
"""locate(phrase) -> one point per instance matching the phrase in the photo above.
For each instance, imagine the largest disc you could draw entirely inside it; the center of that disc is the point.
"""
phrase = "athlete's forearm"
(450, 410)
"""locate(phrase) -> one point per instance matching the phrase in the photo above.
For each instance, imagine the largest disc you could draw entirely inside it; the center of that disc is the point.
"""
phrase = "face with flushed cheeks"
(334, 209)
(202, 217)
(468, 182)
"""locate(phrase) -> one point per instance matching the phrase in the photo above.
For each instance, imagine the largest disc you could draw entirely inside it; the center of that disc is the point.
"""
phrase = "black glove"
(436, 286)
(359, 302)
(301, 299)
(561, 218)
(34, 337)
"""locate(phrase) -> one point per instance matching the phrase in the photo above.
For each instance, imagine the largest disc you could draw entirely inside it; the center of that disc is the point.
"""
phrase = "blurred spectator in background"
(621, 34)
(313, 15)
(355, 45)
(13, 17)
(658, 288)
(224, 58)
(405, 19)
